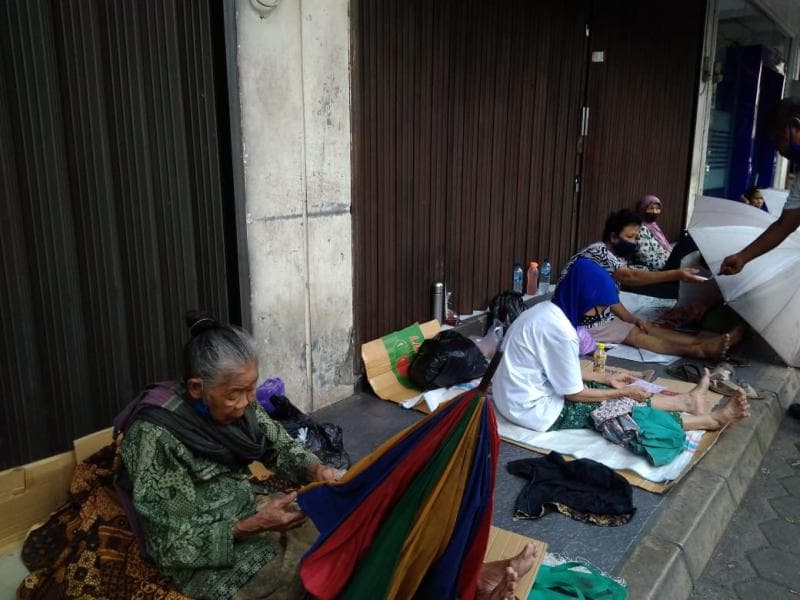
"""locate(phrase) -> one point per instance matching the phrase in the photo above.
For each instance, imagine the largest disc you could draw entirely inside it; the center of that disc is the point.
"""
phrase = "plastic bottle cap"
(534, 265)
(601, 346)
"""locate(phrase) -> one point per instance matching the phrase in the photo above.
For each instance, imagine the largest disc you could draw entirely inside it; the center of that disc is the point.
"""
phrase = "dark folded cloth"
(582, 489)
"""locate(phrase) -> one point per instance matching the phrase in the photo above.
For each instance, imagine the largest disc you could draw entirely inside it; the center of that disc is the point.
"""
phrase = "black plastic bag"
(446, 360)
(505, 307)
(323, 439)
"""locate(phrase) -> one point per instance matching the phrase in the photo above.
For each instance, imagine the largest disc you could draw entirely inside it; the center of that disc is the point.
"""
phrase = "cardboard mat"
(506, 544)
(386, 360)
(706, 442)
(646, 374)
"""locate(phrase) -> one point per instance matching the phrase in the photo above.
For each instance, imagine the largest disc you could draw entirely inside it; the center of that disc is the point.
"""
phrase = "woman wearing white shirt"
(539, 384)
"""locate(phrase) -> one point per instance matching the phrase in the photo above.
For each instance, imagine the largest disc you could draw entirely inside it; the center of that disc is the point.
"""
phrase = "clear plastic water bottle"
(544, 276)
(517, 279)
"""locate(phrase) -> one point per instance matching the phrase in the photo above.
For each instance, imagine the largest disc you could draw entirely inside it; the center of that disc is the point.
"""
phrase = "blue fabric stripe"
(441, 580)
(329, 506)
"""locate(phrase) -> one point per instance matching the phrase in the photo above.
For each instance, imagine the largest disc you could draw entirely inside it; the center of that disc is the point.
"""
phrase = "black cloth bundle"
(582, 489)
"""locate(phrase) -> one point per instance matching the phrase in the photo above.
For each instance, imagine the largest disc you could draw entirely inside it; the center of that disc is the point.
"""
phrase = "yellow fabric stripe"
(435, 521)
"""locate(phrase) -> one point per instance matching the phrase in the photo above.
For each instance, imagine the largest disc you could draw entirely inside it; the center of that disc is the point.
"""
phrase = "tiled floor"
(12, 571)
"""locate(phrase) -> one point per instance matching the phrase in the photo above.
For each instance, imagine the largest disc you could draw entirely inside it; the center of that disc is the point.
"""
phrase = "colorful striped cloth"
(412, 518)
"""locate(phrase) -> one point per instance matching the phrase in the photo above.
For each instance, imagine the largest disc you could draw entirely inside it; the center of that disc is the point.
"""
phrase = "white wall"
(294, 83)
(704, 96)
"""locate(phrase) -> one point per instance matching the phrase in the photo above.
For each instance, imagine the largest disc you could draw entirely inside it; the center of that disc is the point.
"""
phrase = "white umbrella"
(766, 293)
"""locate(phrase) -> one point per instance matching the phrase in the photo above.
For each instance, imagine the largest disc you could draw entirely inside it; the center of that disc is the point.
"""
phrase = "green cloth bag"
(660, 437)
(566, 582)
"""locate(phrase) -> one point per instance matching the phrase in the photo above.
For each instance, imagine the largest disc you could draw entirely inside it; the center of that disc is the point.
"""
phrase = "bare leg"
(664, 341)
(696, 402)
(700, 403)
(734, 411)
(498, 580)
(663, 345)
(673, 336)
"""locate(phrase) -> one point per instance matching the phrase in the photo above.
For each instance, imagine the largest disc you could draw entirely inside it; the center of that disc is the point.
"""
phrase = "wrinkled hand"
(275, 515)
(643, 325)
(732, 264)
(320, 472)
(619, 380)
(690, 275)
(634, 392)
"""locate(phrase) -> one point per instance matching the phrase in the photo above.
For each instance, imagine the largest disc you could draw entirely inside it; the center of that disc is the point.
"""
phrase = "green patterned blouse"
(188, 505)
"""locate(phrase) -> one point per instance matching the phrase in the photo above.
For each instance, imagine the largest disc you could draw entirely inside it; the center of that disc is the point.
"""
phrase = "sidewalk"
(662, 552)
(759, 555)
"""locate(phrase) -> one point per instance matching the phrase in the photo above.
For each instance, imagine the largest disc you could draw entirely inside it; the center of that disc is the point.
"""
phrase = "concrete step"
(681, 537)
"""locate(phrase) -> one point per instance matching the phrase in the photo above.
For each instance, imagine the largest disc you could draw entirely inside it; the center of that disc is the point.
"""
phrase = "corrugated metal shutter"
(466, 123)
(112, 209)
(642, 100)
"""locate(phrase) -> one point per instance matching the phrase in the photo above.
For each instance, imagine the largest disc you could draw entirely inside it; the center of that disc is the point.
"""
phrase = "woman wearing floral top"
(654, 248)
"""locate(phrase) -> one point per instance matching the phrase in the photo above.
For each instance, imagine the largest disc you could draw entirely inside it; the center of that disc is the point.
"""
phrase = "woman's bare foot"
(498, 580)
(715, 347)
(506, 589)
(736, 335)
(719, 345)
(699, 402)
(736, 409)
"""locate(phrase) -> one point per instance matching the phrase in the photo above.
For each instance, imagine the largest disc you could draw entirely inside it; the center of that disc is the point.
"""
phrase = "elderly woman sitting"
(186, 452)
(185, 456)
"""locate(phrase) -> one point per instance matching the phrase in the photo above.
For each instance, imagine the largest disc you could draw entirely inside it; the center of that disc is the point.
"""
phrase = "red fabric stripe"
(326, 571)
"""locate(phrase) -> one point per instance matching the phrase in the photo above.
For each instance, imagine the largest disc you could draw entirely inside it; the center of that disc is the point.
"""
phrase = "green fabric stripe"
(373, 575)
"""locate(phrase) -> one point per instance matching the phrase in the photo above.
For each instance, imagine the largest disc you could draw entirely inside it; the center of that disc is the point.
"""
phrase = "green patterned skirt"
(577, 415)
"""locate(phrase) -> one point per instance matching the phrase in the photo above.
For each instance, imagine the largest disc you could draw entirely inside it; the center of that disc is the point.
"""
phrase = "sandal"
(722, 380)
(685, 372)
(751, 392)
(724, 388)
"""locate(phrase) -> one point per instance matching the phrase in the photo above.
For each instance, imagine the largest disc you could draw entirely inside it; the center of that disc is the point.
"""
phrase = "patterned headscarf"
(659, 236)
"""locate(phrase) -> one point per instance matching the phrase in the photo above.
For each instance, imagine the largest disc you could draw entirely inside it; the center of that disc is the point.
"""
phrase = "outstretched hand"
(634, 392)
(732, 265)
(320, 472)
(691, 275)
(619, 380)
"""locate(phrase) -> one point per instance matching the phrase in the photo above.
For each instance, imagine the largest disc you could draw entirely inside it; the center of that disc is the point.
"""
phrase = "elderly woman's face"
(228, 398)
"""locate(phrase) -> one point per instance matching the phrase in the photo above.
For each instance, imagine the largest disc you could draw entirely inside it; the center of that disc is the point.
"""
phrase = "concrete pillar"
(294, 78)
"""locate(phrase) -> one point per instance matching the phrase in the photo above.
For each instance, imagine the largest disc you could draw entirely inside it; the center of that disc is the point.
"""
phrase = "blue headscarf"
(585, 285)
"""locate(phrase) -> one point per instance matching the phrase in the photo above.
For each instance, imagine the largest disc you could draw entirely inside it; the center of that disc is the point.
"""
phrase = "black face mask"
(650, 217)
(624, 248)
